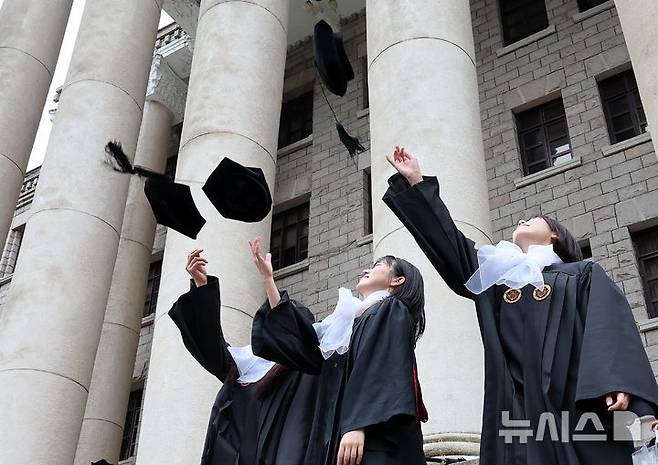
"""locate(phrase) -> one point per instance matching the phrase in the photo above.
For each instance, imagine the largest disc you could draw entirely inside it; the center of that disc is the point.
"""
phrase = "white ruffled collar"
(507, 264)
(335, 331)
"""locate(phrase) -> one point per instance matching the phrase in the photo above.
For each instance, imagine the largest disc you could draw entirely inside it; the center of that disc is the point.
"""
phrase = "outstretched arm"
(197, 315)
(282, 330)
(415, 200)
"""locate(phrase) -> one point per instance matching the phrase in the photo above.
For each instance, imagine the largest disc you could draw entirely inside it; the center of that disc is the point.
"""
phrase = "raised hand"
(196, 267)
(406, 164)
(264, 264)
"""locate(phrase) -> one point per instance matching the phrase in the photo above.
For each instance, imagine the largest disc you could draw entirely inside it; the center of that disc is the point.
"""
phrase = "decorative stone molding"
(466, 445)
(166, 87)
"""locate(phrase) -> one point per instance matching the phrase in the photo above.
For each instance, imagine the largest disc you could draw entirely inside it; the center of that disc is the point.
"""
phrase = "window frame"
(629, 94)
(152, 288)
(504, 11)
(543, 126)
(652, 305)
(290, 109)
(582, 8)
(300, 252)
(130, 436)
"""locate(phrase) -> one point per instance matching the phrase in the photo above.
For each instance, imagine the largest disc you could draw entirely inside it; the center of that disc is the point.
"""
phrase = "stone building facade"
(605, 191)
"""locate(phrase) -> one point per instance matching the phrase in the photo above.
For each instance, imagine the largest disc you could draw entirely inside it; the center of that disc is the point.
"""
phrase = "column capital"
(166, 87)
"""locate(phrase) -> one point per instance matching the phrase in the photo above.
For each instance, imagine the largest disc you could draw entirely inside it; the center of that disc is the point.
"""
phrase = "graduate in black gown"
(558, 334)
(261, 415)
(369, 405)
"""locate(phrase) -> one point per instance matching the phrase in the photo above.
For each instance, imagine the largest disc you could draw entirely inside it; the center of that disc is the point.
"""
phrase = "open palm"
(406, 164)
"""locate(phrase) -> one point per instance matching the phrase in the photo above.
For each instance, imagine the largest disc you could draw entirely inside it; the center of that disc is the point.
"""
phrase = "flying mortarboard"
(171, 202)
(330, 58)
(239, 192)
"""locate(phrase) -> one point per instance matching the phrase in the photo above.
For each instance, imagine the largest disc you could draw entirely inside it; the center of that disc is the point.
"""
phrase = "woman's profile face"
(532, 231)
(374, 279)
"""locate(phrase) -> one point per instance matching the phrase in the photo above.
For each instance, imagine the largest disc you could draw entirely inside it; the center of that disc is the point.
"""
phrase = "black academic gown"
(371, 387)
(560, 354)
(248, 425)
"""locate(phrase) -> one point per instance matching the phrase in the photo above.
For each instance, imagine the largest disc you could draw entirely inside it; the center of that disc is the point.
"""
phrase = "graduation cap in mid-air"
(239, 192)
(330, 58)
(171, 202)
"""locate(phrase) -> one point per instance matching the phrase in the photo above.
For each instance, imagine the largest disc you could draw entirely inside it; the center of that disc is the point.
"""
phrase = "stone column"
(103, 423)
(27, 64)
(639, 25)
(233, 108)
(51, 325)
(424, 97)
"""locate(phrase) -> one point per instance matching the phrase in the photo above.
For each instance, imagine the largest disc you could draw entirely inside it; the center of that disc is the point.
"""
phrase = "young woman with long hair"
(562, 351)
(369, 405)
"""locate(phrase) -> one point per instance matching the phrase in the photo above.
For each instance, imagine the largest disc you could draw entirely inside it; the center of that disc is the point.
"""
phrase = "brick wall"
(337, 248)
(597, 198)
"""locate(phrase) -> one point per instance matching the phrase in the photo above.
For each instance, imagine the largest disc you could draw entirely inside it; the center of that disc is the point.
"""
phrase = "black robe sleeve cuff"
(197, 315)
(284, 334)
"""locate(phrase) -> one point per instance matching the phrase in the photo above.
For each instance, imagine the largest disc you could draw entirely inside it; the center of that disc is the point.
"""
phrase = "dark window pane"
(152, 288)
(543, 136)
(522, 18)
(296, 119)
(289, 240)
(129, 442)
(170, 170)
(587, 4)
(622, 107)
(646, 249)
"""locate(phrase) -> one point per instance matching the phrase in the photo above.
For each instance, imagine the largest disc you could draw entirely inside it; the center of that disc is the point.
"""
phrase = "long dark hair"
(411, 292)
(566, 246)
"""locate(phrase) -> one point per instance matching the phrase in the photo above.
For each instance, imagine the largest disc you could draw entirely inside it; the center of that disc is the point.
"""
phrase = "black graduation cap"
(239, 192)
(330, 58)
(171, 202)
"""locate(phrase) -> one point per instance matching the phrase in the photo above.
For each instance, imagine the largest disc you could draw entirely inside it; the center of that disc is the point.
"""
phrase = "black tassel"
(117, 159)
(351, 143)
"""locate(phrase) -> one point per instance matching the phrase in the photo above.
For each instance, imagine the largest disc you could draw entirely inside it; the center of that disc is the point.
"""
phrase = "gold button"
(512, 296)
(541, 294)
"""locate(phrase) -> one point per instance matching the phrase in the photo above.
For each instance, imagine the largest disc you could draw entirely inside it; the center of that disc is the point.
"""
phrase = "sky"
(41, 140)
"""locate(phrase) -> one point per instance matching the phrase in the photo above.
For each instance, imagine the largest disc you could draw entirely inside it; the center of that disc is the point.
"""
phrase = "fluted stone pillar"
(233, 108)
(103, 423)
(639, 24)
(31, 33)
(424, 97)
(51, 324)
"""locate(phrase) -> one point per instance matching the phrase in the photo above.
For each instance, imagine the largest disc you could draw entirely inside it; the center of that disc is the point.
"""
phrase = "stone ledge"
(292, 269)
(466, 445)
(546, 173)
(364, 240)
(362, 113)
(6, 279)
(625, 144)
(583, 15)
(300, 144)
(648, 325)
(148, 320)
(551, 29)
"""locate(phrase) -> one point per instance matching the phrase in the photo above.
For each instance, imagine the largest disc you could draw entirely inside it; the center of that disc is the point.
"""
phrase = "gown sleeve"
(284, 334)
(423, 213)
(197, 315)
(380, 384)
(612, 355)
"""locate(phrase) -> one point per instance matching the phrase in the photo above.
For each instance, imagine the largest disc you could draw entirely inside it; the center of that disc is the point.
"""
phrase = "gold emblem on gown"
(541, 294)
(512, 295)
